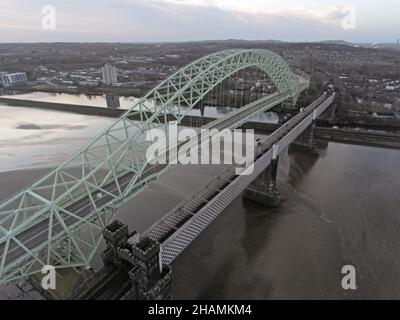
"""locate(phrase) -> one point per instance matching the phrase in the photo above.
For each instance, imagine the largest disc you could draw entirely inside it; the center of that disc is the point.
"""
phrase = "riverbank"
(73, 108)
(117, 91)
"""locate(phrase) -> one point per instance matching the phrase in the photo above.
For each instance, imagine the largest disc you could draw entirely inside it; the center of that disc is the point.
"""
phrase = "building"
(8, 79)
(109, 74)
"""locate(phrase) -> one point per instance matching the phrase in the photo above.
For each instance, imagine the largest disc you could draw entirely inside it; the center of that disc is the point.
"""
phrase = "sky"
(193, 20)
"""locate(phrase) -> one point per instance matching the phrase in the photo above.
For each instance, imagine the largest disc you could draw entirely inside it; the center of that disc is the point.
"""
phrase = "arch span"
(191, 83)
(58, 220)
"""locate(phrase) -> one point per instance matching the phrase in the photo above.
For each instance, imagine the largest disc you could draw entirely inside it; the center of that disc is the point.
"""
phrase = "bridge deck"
(182, 225)
(36, 236)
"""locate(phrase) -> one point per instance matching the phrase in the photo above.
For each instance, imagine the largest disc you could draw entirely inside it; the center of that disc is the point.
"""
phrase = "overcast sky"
(186, 20)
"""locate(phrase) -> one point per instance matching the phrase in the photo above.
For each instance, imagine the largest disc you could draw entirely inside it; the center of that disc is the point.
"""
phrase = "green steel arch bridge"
(59, 219)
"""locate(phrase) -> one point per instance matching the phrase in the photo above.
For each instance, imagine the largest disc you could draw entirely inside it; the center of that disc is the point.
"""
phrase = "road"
(36, 236)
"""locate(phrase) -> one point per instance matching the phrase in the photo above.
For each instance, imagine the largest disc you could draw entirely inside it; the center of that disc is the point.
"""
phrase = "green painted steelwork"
(58, 220)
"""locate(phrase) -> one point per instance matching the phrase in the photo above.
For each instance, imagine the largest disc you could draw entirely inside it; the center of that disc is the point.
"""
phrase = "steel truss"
(58, 220)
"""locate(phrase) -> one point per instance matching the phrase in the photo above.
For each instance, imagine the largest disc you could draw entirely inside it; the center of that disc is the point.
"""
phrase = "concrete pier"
(305, 142)
(264, 190)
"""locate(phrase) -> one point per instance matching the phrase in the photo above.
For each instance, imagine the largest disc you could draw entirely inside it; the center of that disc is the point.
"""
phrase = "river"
(116, 102)
(341, 207)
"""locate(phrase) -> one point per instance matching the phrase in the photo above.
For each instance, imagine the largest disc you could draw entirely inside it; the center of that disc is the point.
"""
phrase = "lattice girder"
(112, 167)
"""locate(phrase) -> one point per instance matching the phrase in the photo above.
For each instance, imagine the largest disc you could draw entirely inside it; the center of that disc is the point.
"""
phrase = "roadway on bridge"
(36, 235)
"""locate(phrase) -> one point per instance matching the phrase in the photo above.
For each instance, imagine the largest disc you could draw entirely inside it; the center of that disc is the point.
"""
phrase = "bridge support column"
(264, 190)
(305, 142)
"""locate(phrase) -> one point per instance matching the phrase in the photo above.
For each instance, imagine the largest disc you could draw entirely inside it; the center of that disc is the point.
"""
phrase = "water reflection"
(34, 138)
(341, 207)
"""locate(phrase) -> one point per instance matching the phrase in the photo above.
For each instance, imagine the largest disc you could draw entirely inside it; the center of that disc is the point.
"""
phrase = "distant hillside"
(364, 45)
(338, 42)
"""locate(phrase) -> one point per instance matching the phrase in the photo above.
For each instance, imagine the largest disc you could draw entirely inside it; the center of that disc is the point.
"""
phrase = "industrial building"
(8, 79)
(109, 74)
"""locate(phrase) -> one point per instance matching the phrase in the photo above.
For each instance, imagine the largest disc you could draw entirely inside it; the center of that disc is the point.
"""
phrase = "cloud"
(176, 20)
(254, 7)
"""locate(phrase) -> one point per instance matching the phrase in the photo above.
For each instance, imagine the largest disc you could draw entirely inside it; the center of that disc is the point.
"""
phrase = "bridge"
(61, 219)
(166, 239)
